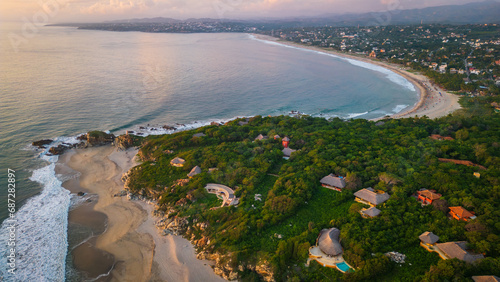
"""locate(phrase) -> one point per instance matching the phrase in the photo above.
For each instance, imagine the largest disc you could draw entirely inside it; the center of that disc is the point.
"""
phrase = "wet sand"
(431, 103)
(127, 245)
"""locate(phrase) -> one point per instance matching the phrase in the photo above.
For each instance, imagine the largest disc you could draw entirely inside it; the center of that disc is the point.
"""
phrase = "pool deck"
(316, 254)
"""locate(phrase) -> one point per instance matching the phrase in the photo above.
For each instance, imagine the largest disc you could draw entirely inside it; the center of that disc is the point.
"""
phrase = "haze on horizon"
(105, 10)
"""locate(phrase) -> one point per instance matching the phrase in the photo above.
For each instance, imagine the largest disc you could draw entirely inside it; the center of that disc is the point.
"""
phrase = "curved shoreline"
(433, 101)
(139, 252)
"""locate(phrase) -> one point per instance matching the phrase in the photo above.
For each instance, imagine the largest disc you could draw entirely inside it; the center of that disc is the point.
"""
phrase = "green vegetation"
(397, 156)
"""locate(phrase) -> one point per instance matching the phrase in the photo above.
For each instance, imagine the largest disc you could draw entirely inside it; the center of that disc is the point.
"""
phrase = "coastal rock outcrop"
(99, 138)
(41, 143)
(124, 142)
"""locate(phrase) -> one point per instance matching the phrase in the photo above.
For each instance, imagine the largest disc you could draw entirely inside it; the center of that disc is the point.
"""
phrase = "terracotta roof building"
(460, 213)
(333, 182)
(427, 196)
(328, 242)
(440, 138)
(371, 197)
(457, 250)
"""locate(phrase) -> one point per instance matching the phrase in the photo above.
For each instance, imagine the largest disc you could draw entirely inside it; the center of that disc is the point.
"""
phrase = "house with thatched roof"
(428, 238)
(333, 182)
(260, 137)
(486, 278)
(243, 122)
(370, 212)
(458, 250)
(328, 242)
(426, 197)
(178, 162)
(196, 170)
(287, 152)
(460, 213)
(371, 197)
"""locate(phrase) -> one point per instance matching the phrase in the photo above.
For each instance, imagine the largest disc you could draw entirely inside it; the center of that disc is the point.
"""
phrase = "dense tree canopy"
(397, 156)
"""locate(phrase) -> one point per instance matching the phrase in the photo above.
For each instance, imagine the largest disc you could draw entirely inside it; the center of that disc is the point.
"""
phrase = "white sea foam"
(159, 130)
(392, 76)
(41, 242)
(399, 108)
(354, 115)
(56, 142)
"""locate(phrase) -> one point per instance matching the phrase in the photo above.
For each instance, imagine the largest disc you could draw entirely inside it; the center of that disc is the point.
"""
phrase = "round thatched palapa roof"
(328, 242)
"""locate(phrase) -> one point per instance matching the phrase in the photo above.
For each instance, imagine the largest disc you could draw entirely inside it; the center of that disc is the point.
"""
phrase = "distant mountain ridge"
(472, 13)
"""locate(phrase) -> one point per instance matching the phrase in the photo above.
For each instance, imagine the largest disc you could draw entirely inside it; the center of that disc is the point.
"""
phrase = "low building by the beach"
(371, 197)
(426, 197)
(196, 170)
(178, 162)
(458, 250)
(459, 213)
(223, 192)
(333, 182)
(370, 212)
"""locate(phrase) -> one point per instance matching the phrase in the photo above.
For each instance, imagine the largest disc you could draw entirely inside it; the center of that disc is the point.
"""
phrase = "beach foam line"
(42, 225)
(399, 108)
(159, 130)
(392, 76)
(42, 239)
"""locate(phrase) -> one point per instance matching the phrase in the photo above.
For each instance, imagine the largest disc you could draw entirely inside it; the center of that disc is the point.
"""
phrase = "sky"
(56, 11)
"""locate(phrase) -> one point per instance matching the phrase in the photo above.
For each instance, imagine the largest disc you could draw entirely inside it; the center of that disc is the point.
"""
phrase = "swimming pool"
(343, 266)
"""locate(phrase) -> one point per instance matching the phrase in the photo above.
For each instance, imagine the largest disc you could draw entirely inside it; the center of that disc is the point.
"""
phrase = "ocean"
(61, 82)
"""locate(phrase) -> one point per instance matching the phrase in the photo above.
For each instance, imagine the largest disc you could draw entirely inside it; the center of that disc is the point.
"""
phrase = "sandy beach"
(127, 245)
(434, 101)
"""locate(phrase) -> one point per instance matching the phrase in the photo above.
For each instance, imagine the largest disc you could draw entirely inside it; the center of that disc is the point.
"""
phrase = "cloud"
(117, 7)
(101, 10)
